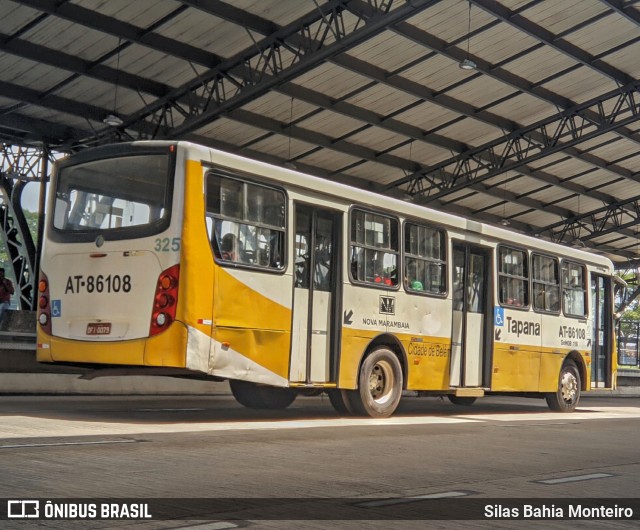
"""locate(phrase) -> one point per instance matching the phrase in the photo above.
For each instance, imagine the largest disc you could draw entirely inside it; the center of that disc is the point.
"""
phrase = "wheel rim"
(569, 387)
(381, 382)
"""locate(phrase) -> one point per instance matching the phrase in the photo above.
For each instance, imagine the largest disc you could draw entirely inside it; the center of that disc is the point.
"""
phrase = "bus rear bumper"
(165, 349)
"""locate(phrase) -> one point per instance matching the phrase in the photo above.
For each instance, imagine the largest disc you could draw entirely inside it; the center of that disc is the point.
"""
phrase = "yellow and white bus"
(177, 259)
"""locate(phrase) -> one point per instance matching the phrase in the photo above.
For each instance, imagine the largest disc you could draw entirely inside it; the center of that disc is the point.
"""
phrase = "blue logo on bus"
(499, 316)
(56, 308)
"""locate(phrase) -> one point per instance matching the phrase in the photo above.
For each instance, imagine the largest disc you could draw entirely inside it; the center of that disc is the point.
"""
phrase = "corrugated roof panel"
(623, 189)
(524, 109)
(626, 59)
(212, 34)
(15, 16)
(422, 153)
(382, 100)
(150, 64)
(553, 195)
(580, 89)
(631, 164)
(437, 73)
(70, 38)
(280, 107)
(280, 146)
(377, 139)
(558, 17)
(595, 179)
(100, 94)
(231, 131)
(477, 201)
(57, 117)
(388, 51)
(331, 80)
(498, 43)
(520, 185)
(29, 74)
(547, 163)
(581, 204)
(541, 63)
(605, 33)
(142, 14)
(330, 160)
(6, 102)
(564, 165)
(539, 219)
(471, 132)
(611, 140)
(375, 172)
(450, 20)
(280, 11)
(427, 116)
(480, 91)
(617, 150)
(331, 124)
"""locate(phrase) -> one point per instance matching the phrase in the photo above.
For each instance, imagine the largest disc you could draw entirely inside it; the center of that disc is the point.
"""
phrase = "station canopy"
(515, 112)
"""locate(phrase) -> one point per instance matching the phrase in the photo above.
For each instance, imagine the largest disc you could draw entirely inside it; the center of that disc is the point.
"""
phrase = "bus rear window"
(129, 196)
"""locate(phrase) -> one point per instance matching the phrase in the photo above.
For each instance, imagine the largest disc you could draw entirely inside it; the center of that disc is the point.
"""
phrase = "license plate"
(99, 328)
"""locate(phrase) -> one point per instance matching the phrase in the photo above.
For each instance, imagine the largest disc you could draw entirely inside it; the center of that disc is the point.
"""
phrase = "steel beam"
(567, 129)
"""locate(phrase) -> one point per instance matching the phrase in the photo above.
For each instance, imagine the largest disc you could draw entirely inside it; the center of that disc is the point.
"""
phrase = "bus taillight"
(44, 309)
(165, 300)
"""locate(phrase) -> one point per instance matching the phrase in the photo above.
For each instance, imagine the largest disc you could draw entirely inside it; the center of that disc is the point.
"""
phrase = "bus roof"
(346, 195)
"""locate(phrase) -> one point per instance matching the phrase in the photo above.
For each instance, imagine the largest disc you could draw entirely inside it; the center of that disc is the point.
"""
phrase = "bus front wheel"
(566, 398)
(255, 396)
(379, 385)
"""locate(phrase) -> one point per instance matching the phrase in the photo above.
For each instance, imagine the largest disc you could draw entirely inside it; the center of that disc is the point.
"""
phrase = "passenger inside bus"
(230, 247)
(411, 281)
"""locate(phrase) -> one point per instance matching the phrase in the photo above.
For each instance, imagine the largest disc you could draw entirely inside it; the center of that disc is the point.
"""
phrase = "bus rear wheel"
(340, 401)
(379, 385)
(566, 398)
(464, 401)
(254, 396)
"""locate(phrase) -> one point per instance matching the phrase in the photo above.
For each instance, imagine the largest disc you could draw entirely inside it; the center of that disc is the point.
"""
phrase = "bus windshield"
(120, 197)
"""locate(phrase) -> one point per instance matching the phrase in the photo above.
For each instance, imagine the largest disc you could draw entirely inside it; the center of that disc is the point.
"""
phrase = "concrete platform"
(47, 383)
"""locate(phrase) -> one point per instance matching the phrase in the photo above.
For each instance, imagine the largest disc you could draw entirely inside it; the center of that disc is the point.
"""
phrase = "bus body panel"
(195, 304)
(253, 324)
(86, 291)
(166, 349)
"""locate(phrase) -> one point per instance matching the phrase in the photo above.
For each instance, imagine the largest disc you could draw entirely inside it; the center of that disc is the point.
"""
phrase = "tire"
(462, 401)
(254, 396)
(379, 385)
(566, 398)
(339, 401)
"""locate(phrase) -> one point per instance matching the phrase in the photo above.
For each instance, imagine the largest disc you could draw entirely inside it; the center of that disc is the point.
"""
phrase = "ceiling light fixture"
(467, 63)
(113, 120)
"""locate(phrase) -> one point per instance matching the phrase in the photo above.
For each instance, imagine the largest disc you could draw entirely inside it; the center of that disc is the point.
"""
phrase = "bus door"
(469, 325)
(315, 298)
(602, 343)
